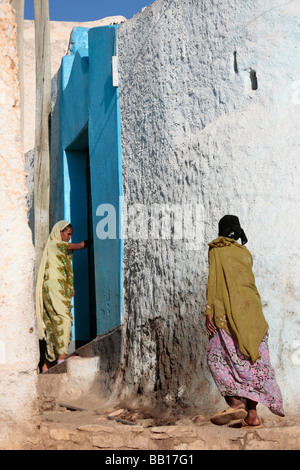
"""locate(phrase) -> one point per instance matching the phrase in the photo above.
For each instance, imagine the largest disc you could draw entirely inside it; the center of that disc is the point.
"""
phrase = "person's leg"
(252, 419)
(235, 402)
(62, 345)
(47, 364)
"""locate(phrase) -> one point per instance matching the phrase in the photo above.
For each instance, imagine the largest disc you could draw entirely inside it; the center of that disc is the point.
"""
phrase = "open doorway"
(81, 217)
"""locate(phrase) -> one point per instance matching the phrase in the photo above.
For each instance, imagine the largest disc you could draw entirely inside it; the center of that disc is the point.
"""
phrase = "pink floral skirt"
(235, 375)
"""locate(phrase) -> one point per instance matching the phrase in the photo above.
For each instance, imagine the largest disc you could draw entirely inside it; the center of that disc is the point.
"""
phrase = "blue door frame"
(90, 136)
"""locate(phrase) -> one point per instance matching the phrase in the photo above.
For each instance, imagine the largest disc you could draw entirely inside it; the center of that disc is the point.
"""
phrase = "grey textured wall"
(210, 112)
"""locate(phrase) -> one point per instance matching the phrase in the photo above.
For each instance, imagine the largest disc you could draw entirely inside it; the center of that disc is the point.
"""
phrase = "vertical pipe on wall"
(43, 110)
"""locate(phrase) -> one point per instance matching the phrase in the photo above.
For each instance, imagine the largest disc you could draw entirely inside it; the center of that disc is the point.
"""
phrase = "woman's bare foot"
(61, 358)
(252, 419)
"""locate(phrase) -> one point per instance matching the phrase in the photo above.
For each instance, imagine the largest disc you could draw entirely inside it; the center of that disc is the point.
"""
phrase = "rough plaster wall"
(18, 338)
(195, 130)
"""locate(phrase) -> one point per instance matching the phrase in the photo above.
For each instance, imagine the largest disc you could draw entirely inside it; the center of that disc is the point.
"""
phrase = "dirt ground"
(87, 426)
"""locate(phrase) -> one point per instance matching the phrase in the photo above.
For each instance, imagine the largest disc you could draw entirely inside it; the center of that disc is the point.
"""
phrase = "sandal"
(244, 425)
(230, 414)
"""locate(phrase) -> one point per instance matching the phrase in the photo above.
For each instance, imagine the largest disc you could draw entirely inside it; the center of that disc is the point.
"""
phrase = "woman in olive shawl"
(54, 292)
(238, 355)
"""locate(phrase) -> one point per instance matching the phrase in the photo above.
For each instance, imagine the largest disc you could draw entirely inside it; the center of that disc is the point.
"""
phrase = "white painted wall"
(18, 338)
(195, 132)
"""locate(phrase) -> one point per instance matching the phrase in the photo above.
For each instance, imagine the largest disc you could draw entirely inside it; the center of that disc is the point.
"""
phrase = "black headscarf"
(229, 226)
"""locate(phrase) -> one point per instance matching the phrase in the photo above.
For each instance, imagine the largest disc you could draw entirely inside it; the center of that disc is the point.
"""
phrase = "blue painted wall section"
(106, 172)
(90, 152)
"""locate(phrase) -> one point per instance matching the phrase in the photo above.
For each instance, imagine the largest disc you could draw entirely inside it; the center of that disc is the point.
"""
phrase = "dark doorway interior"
(81, 217)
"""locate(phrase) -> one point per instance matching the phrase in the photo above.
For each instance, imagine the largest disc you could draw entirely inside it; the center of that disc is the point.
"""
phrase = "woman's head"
(229, 226)
(60, 226)
(66, 233)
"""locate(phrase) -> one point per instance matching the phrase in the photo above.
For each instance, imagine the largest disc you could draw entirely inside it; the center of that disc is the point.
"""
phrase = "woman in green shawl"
(54, 292)
(238, 355)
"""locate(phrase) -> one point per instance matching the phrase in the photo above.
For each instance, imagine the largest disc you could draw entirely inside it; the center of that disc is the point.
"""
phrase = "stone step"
(81, 376)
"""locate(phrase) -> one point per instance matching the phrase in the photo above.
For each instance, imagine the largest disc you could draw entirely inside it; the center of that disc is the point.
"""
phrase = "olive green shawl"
(232, 296)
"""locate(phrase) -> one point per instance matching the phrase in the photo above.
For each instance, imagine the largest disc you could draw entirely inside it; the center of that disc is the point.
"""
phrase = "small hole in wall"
(235, 66)
(253, 79)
